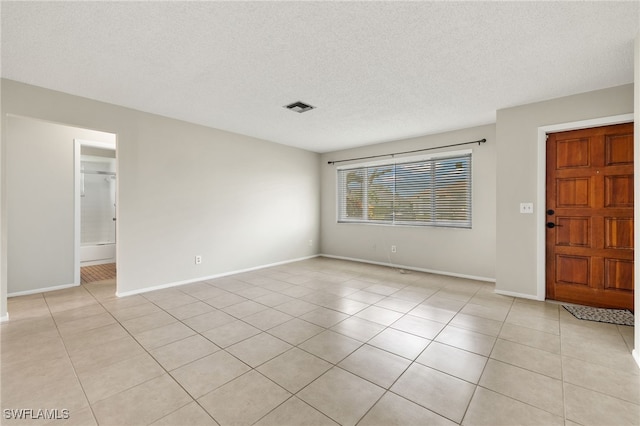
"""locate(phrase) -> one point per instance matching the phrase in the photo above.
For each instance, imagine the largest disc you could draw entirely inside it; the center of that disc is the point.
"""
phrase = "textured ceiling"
(376, 71)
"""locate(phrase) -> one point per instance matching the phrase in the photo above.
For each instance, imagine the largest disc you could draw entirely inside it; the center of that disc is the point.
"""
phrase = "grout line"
(75, 372)
(157, 362)
(317, 274)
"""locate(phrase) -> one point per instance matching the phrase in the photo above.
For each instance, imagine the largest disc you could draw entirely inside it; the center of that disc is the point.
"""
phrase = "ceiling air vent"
(299, 107)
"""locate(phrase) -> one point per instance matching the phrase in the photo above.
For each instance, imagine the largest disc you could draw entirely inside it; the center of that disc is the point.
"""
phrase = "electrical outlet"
(526, 208)
(310, 243)
(393, 249)
(198, 260)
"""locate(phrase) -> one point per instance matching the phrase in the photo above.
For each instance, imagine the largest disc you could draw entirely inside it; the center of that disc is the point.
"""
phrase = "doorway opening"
(96, 208)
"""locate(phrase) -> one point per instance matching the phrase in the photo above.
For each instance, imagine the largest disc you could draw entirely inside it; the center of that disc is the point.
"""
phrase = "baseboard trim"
(209, 277)
(413, 268)
(41, 290)
(636, 356)
(4, 318)
(520, 295)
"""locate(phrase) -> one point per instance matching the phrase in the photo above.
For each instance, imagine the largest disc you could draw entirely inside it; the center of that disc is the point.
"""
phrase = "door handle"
(551, 225)
(550, 212)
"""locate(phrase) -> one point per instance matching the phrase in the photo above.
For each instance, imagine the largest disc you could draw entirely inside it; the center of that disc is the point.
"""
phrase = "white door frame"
(542, 184)
(77, 146)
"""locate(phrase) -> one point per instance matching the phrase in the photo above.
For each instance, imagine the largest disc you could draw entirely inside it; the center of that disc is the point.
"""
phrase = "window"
(432, 191)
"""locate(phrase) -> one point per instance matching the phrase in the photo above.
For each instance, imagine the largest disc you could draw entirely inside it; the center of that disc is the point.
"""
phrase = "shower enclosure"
(97, 210)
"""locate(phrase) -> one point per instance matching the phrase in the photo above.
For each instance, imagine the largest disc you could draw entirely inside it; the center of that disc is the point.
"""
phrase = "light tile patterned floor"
(317, 342)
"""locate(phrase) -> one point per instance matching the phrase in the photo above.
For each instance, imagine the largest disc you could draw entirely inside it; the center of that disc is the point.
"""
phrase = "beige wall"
(41, 202)
(173, 182)
(187, 190)
(465, 252)
(517, 130)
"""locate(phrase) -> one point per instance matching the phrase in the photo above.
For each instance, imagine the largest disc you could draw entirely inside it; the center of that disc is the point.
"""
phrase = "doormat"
(611, 316)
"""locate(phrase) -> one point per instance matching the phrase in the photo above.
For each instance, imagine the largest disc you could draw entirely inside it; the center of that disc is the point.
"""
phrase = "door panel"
(590, 231)
(573, 231)
(573, 269)
(618, 150)
(573, 192)
(618, 233)
(618, 191)
(573, 153)
(618, 274)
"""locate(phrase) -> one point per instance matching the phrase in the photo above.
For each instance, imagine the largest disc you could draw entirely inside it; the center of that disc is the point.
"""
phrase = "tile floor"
(317, 342)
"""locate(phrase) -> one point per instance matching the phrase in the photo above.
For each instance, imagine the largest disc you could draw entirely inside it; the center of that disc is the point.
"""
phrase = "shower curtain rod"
(481, 141)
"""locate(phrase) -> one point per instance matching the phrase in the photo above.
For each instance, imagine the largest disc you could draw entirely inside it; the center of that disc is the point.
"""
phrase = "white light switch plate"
(526, 208)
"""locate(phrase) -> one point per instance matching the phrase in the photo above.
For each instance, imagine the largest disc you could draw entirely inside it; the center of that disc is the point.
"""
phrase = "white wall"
(40, 202)
(187, 190)
(517, 144)
(466, 252)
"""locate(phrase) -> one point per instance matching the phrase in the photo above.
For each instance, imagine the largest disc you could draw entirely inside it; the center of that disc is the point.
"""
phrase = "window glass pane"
(354, 192)
(433, 192)
(453, 191)
(414, 183)
(380, 193)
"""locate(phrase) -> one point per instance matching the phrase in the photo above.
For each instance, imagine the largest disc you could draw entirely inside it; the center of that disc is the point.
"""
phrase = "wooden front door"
(589, 235)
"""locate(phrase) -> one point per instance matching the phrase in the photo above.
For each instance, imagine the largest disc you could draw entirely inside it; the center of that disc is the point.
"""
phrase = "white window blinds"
(433, 191)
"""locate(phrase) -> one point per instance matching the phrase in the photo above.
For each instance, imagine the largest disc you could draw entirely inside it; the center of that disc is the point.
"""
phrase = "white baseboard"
(520, 295)
(4, 318)
(636, 356)
(41, 290)
(209, 277)
(413, 268)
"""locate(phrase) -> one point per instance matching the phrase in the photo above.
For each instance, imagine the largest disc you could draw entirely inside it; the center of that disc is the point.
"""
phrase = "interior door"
(589, 235)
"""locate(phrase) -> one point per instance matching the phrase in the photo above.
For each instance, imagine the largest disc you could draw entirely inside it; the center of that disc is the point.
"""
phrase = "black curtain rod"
(408, 152)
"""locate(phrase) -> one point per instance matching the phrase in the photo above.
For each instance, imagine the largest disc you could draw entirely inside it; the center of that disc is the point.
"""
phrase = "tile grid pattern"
(321, 341)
